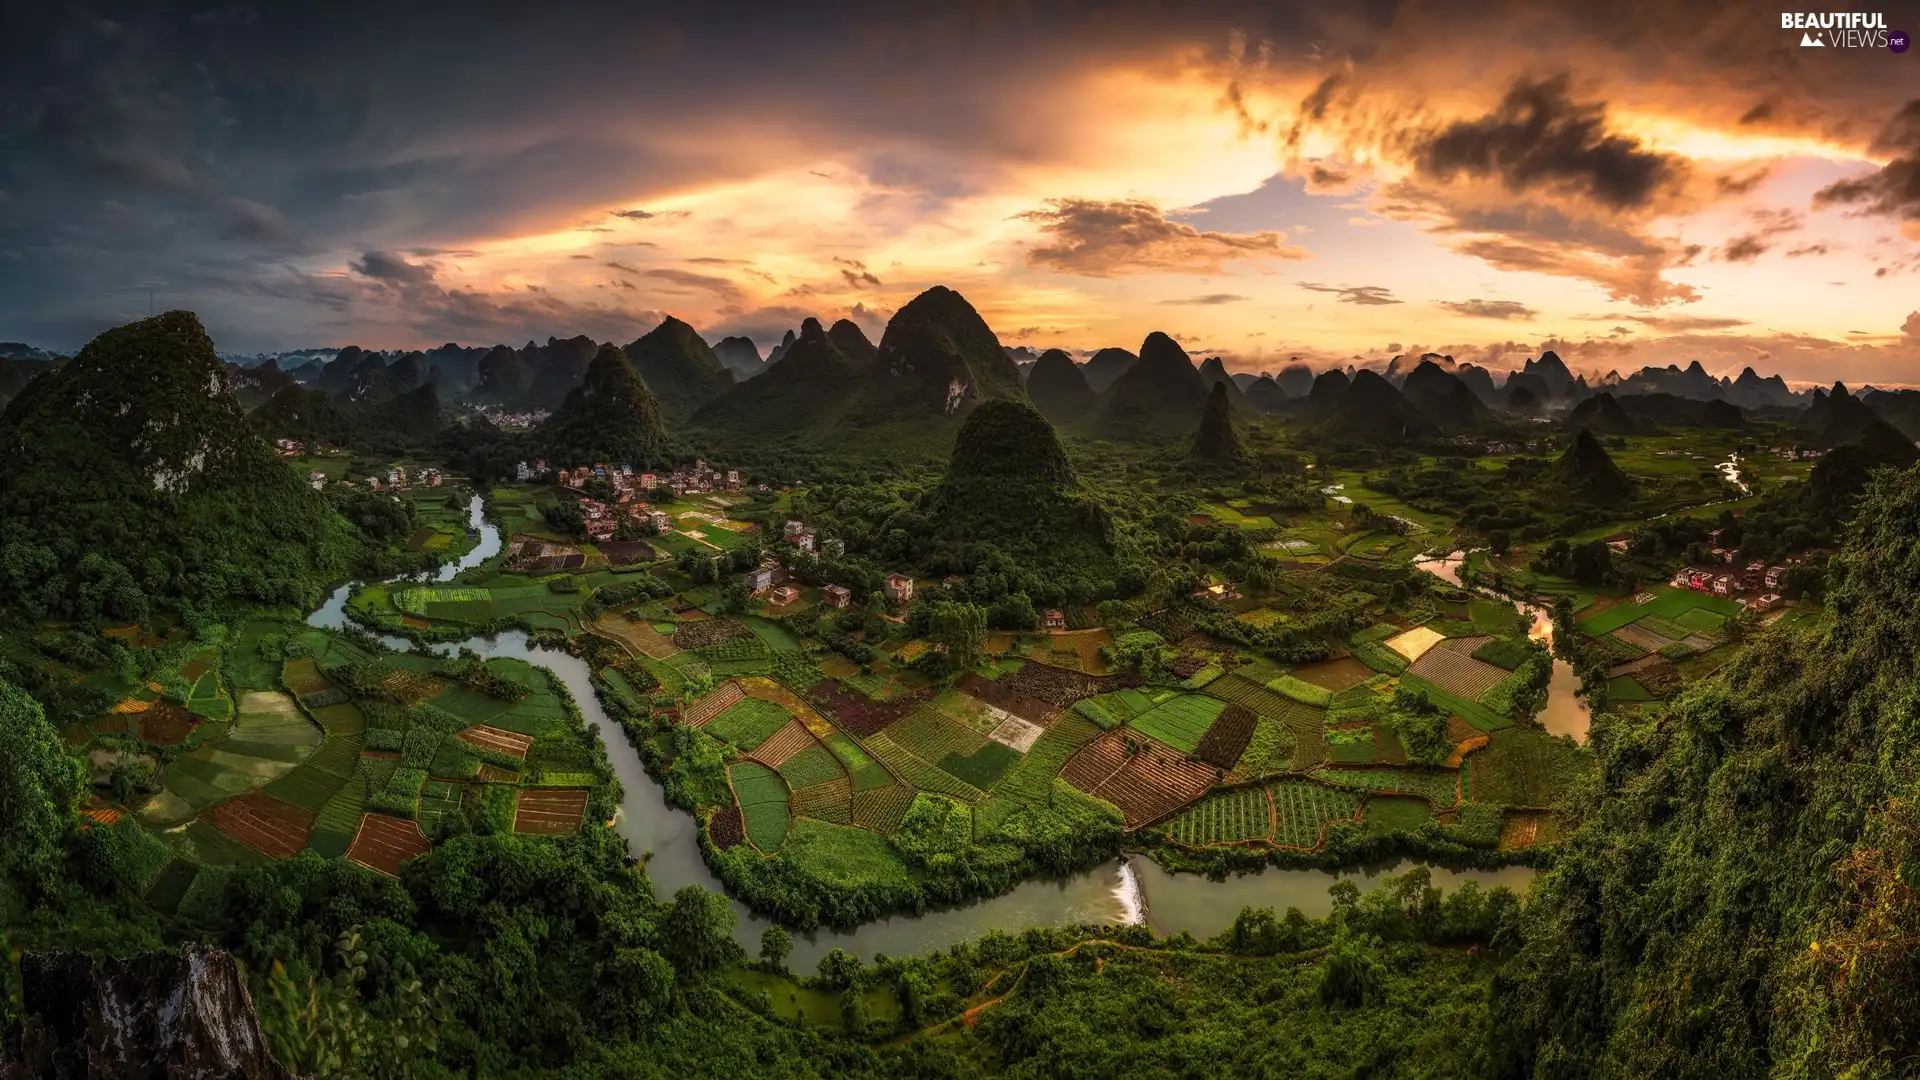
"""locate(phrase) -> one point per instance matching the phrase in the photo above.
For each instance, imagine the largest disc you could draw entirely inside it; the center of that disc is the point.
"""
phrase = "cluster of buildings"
(769, 579)
(1758, 585)
(515, 421)
(394, 479)
(694, 479)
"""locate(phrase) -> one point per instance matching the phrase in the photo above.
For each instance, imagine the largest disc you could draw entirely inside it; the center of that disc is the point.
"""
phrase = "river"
(1565, 713)
(1133, 889)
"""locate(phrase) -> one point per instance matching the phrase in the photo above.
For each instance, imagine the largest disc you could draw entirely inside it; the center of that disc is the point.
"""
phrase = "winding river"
(1131, 889)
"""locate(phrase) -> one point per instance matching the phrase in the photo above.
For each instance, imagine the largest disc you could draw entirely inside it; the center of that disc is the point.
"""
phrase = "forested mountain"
(740, 356)
(1009, 484)
(1736, 900)
(1216, 441)
(1158, 395)
(1602, 413)
(612, 417)
(1441, 396)
(1368, 409)
(1587, 471)
(679, 368)
(1214, 372)
(1059, 387)
(809, 384)
(136, 453)
(1103, 367)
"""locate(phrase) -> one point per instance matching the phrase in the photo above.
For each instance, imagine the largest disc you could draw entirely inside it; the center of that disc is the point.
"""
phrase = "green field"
(1668, 603)
(748, 723)
(763, 803)
(1180, 721)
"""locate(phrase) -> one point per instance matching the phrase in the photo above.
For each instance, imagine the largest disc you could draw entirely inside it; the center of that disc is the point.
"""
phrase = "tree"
(775, 944)
(697, 931)
(962, 628)
(736, 596)
(40, 789)
(839, 968)
(1499, 542)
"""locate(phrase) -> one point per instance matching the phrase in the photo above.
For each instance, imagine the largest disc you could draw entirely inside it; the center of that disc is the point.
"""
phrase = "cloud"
(255, 222)
(1769, 224)
(1910, 330)
(718, 286)
(647, 215)
(1894, 191)
(1095, 238)
(1489, 309)
(1683, 323)
(856, 274)
(1539, 136)
(1809, 249)
(388, 266)
(1208, 300)
(1354, 294)
(1635, 278)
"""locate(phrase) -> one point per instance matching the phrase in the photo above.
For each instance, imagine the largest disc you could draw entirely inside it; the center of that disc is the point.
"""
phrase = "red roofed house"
(1054, 619)
(837, 596)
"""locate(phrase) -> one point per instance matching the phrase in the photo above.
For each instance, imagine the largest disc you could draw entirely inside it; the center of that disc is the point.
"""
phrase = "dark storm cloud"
(1894, 190)
(386, 266)
(1540, 136)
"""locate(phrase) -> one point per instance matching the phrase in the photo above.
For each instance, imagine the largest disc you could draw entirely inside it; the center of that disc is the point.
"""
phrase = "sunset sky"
(1625, 183)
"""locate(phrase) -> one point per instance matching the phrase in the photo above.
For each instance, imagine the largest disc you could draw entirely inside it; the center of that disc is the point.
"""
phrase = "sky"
(1625, 183)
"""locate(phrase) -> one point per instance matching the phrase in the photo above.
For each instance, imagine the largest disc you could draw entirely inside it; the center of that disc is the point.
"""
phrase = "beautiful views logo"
(1843, 30)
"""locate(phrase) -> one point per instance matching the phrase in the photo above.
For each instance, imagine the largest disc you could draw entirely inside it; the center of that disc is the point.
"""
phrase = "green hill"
(1103, 367)
(1587, 471)
(1009, 484)
(134, 481)
(1058, 387)
(679, 368)
(1160, 395)
(1216, 441)
(1213, 372)
(610, 417)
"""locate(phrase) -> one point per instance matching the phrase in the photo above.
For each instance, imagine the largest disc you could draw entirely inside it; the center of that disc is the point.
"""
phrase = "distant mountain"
(503, 376)
(1844, 471)
(679, 368)
(253, 386)
(1160, 395)
(1296, 380)
(1103, 367)
(1009, 483)
(136, 453)
(1216, 441)
(405, 418)
(1521, 399)
(611, 417)
(1022, 356)
(1265, 395)
(1901, 408)
(740, 356)
(459, 366)
(1442, 396)
(1327, 392)
(558, 367)
(1667, 410)
(780, 350)
(1689, 382)
(1535, 384)
(1602, 413)
(1750, 391)
(1553, 372)
(1480, 381)
(1244, 379)
(813, 379)
(1372, 410)
(309, 415)
(1587, 471)
(1838, 418)
(1213, 371)
(337, 375)
(1059, 388)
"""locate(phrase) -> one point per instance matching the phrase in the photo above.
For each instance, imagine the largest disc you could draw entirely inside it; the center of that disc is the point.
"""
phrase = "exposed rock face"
(163, 1016)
